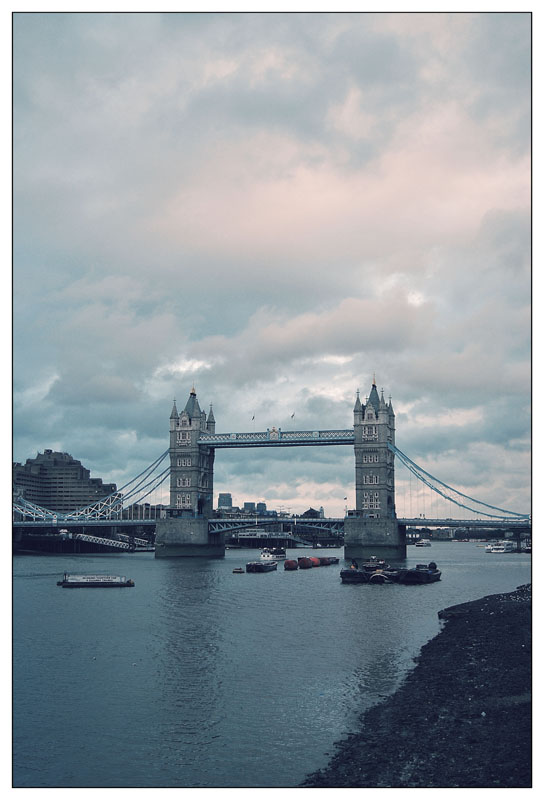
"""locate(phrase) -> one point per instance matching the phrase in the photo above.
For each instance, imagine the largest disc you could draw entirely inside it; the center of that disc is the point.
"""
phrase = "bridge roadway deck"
(323, 522)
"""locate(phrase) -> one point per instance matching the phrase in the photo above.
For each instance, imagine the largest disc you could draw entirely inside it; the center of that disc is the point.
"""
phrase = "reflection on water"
(202, 677)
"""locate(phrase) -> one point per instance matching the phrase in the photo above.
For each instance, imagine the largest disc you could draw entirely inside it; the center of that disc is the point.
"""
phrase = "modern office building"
(58, 482)
(225, 500)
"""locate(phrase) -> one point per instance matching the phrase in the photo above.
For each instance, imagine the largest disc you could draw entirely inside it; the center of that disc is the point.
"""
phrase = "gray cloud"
(274, 207)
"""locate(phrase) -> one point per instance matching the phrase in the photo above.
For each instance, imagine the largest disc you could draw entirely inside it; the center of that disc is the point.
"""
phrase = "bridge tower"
(184, 531)
(191, 464)
(372, 528)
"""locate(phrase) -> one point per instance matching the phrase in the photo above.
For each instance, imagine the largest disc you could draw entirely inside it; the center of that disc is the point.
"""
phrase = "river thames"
(199, 677)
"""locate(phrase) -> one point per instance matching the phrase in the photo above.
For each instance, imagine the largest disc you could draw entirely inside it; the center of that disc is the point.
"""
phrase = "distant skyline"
(274, 208)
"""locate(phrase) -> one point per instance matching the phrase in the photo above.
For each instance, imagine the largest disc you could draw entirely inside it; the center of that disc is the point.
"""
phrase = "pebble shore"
(462, 717)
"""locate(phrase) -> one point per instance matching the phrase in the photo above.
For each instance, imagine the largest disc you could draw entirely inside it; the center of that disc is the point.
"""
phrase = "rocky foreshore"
(461, 718)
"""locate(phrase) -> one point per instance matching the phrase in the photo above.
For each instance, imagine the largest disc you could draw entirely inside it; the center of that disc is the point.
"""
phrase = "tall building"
(224, 500)
(58, 482)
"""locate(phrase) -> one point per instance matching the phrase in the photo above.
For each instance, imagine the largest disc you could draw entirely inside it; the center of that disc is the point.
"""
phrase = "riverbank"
(462, 717)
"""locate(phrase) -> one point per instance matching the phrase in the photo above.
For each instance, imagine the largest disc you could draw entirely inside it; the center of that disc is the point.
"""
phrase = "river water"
(199, 677)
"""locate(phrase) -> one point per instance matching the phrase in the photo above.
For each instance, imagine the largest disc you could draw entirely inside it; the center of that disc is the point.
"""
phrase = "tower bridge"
(188, 526)
(371, 528)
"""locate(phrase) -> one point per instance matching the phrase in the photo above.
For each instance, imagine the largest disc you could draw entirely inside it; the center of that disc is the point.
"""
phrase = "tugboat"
(422, 573)
(353, 575)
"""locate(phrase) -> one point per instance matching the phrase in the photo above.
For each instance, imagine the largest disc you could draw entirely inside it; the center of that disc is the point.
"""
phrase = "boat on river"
(423, 543)
(353, 575)
(503, 547)
(326, 561)
(261, 566)
(374, 576)
(273, 553)
(373, 564)
(384, 576)
(94, 581)
(421, 573)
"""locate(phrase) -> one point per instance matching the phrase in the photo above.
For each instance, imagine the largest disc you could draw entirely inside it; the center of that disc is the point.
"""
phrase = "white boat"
(503, 547)
(94, 581)
(273, 554)
(423, 543)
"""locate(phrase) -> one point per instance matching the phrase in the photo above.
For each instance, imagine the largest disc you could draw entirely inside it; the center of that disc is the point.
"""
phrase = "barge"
(94, 581)
(261, 566)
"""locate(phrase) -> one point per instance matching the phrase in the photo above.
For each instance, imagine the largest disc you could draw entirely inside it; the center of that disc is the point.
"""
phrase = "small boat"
(304, 563)
(384, 576)
(261, 566)
(94, 581)
(503, 547)
(374, 563)
(421, 573)
(353, 575)
(276, 553)
(239, 570)
(423, 543)
(290, 564)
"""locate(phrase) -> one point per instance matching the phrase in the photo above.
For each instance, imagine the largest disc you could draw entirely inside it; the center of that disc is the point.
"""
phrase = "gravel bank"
(462, 717)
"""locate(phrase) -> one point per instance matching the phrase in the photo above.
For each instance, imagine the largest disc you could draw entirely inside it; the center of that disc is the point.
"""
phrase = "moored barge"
(261, 566)
(94, 581)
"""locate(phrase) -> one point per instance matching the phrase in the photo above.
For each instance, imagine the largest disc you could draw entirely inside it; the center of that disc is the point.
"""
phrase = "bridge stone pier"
(370, 529)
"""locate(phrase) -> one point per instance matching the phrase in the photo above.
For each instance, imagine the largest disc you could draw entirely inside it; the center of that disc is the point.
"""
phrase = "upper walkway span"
(277, 438)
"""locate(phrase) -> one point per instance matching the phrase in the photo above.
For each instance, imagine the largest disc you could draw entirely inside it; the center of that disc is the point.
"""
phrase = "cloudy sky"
(274, 207)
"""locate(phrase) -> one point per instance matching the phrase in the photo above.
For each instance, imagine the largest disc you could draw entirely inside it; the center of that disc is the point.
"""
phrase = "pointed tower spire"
(373, 398)
(174, 414)
(192, 407)
(357, 406)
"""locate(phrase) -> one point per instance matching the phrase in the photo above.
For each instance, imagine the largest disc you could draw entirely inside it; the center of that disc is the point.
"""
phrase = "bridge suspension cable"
(431, 481)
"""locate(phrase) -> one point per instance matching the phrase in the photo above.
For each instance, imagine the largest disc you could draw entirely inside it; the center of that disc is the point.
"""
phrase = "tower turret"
(358, 411)
(174, 416)
(211, 421)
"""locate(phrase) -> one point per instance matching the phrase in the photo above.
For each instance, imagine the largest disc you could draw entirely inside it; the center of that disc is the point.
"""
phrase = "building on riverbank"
(58, 482)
